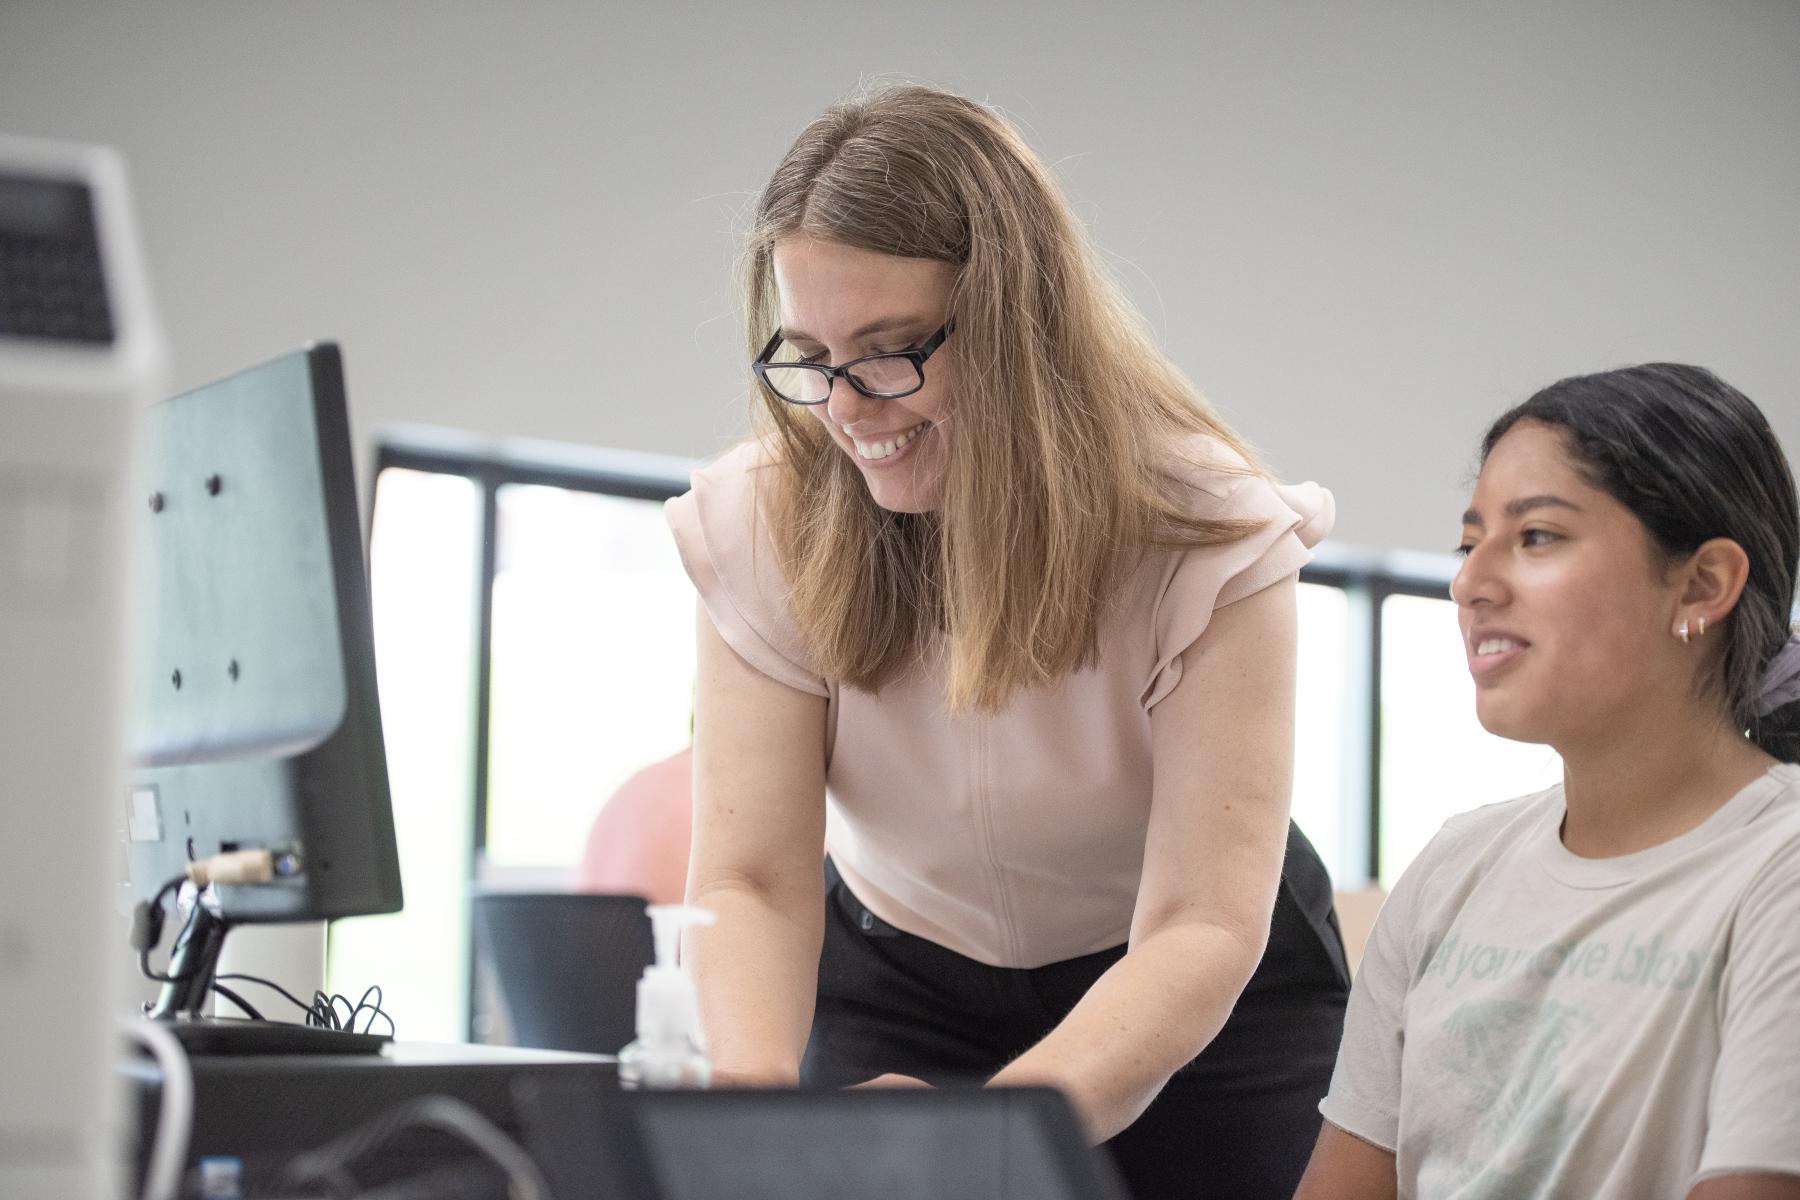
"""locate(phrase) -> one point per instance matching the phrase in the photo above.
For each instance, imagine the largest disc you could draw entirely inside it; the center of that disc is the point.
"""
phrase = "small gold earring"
(1681, 631)
(1700, 626)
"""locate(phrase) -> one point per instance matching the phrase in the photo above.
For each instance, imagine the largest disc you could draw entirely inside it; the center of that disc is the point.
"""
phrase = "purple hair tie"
(1780, 680)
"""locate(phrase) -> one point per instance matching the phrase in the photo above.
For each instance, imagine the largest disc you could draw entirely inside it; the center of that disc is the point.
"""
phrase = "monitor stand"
(181, 1006)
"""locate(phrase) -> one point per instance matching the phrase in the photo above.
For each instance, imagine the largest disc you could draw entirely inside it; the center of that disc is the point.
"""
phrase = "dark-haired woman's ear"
(1715, 577)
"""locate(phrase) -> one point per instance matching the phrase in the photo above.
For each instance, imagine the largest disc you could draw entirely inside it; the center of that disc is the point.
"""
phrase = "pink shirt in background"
(638, 845)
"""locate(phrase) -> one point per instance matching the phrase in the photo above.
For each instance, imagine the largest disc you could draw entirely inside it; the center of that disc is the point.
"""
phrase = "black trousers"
(1237, 1122)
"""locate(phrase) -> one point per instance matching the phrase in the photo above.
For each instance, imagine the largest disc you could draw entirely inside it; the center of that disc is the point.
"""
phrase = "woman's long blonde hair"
(1065, 412)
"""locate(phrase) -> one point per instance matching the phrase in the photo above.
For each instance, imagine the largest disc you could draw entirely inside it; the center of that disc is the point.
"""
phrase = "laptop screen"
(898, 1144)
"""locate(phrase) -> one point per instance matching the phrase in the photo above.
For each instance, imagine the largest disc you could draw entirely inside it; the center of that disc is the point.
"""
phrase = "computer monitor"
(801, 1144)
(253, 722)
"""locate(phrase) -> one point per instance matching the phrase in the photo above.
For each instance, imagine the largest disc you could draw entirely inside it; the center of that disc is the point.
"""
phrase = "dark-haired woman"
(1595, 991)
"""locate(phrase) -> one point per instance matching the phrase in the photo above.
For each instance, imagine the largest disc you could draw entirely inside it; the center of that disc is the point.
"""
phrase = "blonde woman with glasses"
(999, 611)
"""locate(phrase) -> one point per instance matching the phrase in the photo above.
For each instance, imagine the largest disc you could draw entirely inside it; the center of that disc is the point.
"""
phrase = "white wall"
(1364, 228)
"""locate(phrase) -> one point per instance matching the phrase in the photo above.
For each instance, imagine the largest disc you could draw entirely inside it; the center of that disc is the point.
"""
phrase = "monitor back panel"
(254, 722)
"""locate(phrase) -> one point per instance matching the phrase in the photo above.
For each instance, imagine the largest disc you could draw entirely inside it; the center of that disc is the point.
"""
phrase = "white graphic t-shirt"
(1530, 1023)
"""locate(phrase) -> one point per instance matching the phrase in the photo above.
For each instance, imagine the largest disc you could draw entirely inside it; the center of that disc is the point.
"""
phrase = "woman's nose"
(1477, 580)
(846, 406)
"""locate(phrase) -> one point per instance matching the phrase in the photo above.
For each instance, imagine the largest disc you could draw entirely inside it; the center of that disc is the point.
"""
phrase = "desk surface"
(407, 1055)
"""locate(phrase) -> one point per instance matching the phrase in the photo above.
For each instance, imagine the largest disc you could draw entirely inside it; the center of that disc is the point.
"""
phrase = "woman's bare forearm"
(756, 972)
(759, 825)
(1147, 1016)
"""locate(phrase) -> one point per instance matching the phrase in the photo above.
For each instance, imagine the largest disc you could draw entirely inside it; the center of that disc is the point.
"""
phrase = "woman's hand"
(893, 1081)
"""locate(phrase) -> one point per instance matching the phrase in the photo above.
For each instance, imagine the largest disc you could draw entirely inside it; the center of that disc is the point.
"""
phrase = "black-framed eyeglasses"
(878, 376)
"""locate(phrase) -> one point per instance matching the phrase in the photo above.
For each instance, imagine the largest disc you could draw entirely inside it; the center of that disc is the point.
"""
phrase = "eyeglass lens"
(885, 375)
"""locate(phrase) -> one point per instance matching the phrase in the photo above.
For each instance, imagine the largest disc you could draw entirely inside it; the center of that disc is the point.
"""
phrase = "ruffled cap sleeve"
(726, 549)
(1294, 519)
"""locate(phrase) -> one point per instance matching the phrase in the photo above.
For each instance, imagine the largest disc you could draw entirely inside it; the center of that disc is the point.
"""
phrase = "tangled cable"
(324, 1011)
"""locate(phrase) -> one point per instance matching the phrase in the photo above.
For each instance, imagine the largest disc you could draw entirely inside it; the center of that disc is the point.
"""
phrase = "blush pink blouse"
(1016, 839)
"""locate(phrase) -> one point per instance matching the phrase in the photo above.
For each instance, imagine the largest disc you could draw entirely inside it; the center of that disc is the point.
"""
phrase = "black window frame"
(1368, 579)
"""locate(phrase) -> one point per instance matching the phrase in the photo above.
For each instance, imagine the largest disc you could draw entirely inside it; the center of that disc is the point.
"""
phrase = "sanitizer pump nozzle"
(670, 1048)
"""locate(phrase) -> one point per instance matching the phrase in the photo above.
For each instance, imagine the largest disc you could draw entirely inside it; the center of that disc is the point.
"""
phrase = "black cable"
(269, 983)
(146, 930)
(323, 1012)
(374, 1008)
(318, 1015)
(151, 972)
(238, 1000)
(331, 1006)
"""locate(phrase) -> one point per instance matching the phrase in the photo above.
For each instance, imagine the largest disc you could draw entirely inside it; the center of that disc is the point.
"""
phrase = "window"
(1436, 759)
(424, 559)
(593, 668)
(534, 639)
(1327, 793)
(1410, 752)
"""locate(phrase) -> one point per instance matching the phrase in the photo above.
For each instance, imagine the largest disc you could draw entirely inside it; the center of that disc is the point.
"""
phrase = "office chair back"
(566, 965)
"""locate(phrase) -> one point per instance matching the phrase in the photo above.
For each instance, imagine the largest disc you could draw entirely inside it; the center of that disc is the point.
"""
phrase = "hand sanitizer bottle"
(670, 1048)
